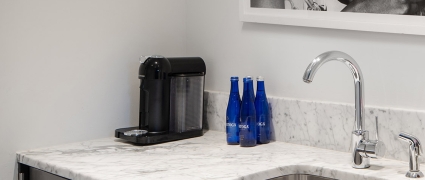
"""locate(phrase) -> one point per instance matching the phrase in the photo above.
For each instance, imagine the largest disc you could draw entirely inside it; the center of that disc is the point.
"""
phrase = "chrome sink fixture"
(415, 150)
(301, 177)
(362, 148)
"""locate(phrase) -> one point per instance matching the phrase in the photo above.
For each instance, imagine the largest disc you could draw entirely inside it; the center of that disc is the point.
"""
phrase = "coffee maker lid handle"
(142, 70)
(142, 60)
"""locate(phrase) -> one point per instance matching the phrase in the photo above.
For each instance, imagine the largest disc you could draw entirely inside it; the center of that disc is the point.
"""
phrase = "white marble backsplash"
(325, 125)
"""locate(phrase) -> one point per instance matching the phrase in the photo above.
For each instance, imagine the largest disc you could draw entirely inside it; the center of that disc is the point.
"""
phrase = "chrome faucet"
(415, 150)
(361, 148)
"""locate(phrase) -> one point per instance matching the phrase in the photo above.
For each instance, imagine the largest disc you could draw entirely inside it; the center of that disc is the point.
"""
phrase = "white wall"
(392, 64)
(68, 69)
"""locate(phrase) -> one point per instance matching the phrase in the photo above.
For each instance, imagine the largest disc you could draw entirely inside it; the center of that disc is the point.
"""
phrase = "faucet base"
(358, 161)
(414, 174)
(367, 165)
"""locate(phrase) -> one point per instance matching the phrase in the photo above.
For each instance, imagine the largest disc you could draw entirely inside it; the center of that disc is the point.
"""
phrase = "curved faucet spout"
(362, 148)
(355, 71)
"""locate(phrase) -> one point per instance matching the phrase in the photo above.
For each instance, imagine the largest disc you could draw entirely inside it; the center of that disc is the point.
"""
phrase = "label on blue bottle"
(243, 126)
(261, 124)
(232, 130)
(231, 124)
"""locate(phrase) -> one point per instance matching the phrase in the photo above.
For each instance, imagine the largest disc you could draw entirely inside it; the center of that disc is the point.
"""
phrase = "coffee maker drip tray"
(148, 139)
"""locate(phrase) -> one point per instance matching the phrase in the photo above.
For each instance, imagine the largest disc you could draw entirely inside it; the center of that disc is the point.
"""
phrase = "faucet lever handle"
(380, 148)
(377, 129)
(372, 148)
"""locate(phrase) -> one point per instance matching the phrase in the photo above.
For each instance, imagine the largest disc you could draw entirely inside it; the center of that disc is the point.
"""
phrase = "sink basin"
(301, 177)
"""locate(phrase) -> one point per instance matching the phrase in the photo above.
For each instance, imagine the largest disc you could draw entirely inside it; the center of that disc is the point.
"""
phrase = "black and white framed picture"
(391, 16)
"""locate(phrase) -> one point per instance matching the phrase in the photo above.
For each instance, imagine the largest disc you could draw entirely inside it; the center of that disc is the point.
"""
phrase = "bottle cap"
(260, 78)
(234, 78)
(247, 79)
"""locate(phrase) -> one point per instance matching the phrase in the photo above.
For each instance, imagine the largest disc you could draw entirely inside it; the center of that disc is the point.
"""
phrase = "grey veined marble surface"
(326, 125)
(206, 157)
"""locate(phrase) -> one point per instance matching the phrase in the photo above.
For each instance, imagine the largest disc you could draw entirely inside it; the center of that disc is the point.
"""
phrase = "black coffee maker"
(171, 100)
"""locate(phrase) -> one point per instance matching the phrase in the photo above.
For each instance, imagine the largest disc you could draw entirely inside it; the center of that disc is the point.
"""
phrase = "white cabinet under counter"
(206, 157)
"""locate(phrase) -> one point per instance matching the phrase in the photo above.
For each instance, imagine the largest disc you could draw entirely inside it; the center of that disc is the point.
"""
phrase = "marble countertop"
(206, 157)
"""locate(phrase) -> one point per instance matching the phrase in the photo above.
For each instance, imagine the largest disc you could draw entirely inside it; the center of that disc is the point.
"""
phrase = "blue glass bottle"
(263, 113)
(251, 86)
(247, 128)
(233, 112)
